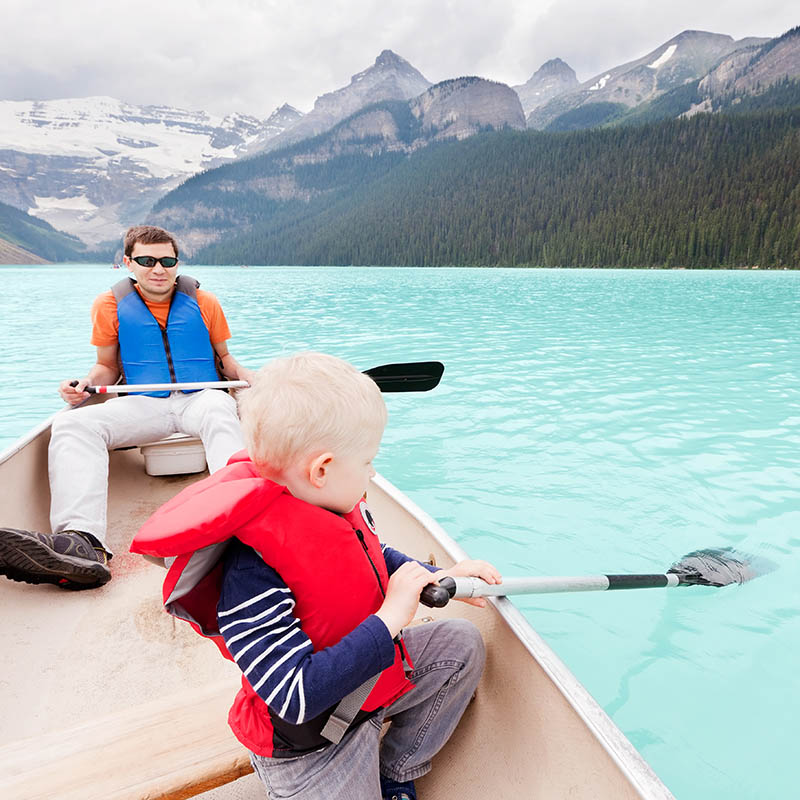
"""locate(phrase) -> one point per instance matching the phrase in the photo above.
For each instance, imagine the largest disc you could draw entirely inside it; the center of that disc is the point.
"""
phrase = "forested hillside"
(37, 236)
(710, 191)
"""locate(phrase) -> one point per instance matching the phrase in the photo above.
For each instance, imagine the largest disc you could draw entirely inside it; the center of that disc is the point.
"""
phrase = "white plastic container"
(178, 454)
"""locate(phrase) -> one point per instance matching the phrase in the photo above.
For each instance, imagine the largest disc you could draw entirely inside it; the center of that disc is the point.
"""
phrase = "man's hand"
(230, 367)
(73, 394)
(245, 374)
(472, 568)
(402, 595)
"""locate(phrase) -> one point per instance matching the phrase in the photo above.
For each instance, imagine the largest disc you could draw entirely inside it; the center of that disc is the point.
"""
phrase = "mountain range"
(88, 165)
(92, 166)
(389, 78)
(681, 60)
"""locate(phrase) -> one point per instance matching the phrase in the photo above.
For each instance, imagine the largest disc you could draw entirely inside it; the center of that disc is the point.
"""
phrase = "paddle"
(416, 376)
(713, 567)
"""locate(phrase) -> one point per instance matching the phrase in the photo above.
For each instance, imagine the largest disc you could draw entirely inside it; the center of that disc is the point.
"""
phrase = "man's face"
(156, 283)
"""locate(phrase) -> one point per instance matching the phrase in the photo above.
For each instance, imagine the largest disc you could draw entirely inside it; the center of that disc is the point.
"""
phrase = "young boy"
(279, 562)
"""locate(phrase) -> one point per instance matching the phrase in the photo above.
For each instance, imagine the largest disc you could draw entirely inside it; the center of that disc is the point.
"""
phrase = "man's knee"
(215, 401)
(76, 420)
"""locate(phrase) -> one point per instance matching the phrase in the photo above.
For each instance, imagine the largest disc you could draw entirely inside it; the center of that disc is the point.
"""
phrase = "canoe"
(105, 696)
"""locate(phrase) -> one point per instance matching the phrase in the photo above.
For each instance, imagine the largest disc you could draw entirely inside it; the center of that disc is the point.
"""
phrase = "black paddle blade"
(417, 376)
(719, 567)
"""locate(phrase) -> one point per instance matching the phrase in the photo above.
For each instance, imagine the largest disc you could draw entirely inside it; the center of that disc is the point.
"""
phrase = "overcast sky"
(254, 55)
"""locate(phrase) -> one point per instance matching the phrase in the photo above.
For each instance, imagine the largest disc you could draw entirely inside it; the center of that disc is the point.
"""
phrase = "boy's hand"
(402, 595)
(472, 568)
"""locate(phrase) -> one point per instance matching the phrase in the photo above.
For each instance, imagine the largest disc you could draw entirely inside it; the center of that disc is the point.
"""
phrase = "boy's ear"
(318, 470)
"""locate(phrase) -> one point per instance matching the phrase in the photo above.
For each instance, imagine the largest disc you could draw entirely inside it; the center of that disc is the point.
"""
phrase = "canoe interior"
(70, 656)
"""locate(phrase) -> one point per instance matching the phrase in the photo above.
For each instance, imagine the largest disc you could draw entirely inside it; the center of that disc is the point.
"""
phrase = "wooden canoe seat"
(168, 749)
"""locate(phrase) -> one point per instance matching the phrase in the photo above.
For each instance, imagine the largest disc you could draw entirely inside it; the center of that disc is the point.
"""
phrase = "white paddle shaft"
(475, 587)
(122, 388)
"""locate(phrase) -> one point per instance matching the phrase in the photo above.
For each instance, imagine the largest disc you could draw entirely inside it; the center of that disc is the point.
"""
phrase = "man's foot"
(397, 790)
(68, 559)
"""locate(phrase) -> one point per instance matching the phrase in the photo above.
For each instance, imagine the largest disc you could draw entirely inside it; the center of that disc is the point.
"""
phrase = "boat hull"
(531, 731)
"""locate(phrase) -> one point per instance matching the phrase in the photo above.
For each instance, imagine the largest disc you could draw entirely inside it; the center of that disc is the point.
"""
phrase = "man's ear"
(318, 469)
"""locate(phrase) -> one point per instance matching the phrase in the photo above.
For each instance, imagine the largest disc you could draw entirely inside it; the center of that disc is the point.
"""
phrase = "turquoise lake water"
(587, 422)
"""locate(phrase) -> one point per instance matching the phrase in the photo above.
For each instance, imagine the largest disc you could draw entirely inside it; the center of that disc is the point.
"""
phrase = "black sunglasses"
(150, 261)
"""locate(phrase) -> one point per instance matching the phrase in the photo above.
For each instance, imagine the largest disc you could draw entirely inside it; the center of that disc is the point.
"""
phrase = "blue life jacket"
(181, 352)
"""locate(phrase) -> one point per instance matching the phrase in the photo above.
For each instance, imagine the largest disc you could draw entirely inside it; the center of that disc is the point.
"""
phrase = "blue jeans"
(448, 659)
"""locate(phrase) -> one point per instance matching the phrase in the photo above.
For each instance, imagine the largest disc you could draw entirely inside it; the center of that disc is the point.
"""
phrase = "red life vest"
(318, 553)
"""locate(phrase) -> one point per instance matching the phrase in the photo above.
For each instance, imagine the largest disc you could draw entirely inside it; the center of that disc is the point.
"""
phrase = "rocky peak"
(553, 78)
(678, 61)
(461, 107)
(389, 65)
(706, 36)
(754, 69)
(285, 115)
(389, 78)
(390, 59)
(555, 67)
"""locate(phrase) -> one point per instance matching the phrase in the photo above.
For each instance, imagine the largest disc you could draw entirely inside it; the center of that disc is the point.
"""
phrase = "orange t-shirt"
(105, 324)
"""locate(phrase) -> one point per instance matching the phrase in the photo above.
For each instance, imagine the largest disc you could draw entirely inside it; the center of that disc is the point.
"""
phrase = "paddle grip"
(89, 389)
(438, 596)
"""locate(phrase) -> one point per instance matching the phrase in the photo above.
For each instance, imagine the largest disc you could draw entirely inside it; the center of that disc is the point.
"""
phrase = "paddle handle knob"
(438, 595)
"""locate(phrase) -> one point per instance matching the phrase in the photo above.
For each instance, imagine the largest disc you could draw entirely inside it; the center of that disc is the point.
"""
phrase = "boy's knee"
(470, 643)
(475, 642)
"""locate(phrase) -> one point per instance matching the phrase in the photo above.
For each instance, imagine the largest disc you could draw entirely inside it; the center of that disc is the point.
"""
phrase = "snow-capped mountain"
(93, 165)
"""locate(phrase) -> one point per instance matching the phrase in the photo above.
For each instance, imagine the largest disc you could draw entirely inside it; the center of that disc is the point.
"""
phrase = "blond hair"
(306, 403)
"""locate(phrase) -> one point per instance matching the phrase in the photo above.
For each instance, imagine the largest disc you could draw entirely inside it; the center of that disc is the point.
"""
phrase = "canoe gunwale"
(43, 427)
(28, 437)
(630, 762)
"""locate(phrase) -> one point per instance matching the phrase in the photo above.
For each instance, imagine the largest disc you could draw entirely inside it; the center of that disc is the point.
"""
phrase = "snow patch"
(78, 202)
(601, 83)
(163, 141)
(79, 216)
(664, 57)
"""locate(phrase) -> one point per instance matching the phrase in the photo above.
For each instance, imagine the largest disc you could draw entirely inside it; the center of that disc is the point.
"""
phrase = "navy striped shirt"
(256, 619)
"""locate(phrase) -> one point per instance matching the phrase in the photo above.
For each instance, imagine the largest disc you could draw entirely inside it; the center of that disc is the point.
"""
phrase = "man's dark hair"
(148, 234)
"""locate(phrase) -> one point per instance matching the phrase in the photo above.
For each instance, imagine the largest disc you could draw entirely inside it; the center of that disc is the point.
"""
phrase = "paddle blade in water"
(719, 567)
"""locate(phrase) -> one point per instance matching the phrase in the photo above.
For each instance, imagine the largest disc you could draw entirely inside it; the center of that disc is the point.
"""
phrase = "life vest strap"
(344, 713)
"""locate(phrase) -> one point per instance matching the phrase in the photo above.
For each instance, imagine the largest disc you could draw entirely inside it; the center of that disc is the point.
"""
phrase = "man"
(154, 327)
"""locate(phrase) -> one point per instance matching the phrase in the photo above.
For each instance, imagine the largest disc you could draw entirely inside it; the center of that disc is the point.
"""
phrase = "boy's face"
(349, 475)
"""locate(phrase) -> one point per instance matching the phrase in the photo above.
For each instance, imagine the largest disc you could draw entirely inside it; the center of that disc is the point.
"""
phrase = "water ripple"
(588, 421)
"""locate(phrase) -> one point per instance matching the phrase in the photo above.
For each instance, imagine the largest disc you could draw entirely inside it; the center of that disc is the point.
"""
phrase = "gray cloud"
(253, 55)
